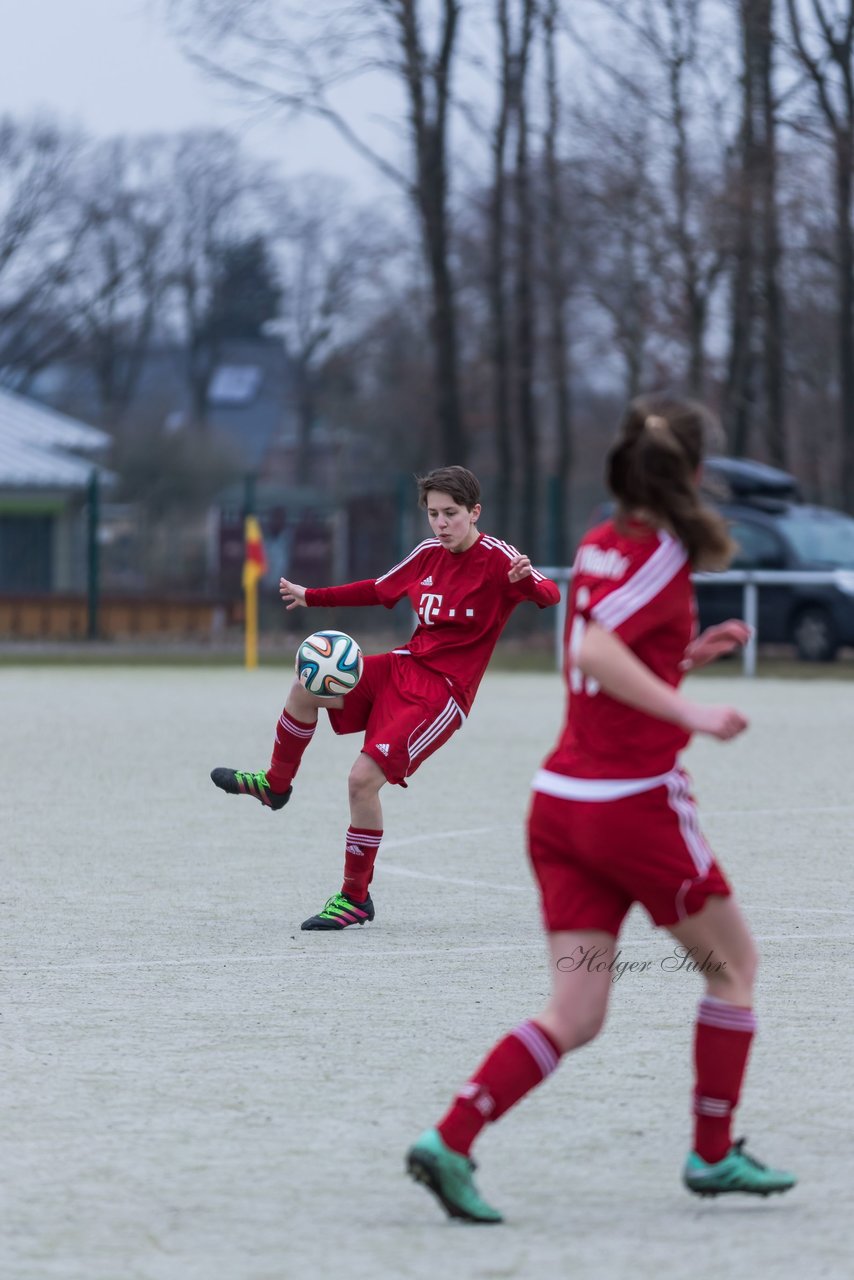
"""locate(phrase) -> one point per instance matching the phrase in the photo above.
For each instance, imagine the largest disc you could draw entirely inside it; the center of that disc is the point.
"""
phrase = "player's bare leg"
(581, 985)
(575, 1013)
(718, 940)
(294, 731)
(353, 905)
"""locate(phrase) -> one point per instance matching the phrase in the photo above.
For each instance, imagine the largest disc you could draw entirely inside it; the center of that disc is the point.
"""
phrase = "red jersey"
(462, 600)
(636, 584)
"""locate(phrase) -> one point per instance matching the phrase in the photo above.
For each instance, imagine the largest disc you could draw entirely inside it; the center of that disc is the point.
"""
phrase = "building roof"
(38, 446)
(250, 403)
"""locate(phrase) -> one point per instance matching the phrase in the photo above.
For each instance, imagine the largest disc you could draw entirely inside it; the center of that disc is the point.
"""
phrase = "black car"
(775, 530)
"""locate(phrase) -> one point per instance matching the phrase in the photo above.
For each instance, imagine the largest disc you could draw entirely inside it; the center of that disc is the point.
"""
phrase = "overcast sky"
(111, 67)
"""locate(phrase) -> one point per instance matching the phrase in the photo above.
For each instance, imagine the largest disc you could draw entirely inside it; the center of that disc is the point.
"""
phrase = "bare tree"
(499, 345)
(214, 197)
(38, 238)
(525, 335)
(274, 55)
(327, 256)
(666, 86)
(557, 229)
(823, 38)
(119, 277)
(756, 308)
(624, 251)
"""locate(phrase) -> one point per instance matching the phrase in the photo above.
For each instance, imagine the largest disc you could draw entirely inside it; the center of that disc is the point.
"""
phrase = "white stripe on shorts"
(434, 730)
(683, 806)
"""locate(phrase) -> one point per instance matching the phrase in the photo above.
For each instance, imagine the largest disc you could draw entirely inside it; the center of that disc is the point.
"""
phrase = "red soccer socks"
(359, 857)
(292, 738)
(722, 1042)
(516, 1065)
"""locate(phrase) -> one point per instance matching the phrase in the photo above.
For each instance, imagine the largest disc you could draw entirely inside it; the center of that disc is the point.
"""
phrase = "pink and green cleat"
(256, 785)
(340, 913)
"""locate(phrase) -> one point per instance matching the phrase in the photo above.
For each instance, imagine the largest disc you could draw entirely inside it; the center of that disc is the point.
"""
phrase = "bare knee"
(571, 1027)
(735, 979)
(365, 780)
(300, 700)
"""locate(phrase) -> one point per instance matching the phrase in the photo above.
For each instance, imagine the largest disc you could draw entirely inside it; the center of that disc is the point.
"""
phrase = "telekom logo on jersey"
(429, 608)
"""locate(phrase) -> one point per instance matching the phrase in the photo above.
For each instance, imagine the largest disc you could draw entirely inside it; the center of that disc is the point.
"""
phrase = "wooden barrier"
(65, 617)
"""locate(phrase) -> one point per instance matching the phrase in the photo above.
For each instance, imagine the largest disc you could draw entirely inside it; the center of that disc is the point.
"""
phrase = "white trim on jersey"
(596, 789)
(643, 586)
(510, 551)
(434, 730)
(428, 542)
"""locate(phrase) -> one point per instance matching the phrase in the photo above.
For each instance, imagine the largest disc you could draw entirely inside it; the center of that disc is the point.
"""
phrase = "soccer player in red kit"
(463, 586)
(612, 819)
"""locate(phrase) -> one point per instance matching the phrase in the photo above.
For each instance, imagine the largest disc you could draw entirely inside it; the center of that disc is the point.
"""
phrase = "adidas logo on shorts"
(427, 582)
(383, 747)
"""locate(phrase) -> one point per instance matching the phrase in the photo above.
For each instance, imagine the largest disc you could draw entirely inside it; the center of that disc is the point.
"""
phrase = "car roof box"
(741, 480)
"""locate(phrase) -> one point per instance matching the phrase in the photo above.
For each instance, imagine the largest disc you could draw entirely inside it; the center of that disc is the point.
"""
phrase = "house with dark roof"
(47, 460)
(249, 401)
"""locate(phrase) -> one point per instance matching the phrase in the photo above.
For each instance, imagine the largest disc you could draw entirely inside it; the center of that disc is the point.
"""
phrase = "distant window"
(174, 421)
(234, 384)
(25, 553)
(824, 539)
(758, 548)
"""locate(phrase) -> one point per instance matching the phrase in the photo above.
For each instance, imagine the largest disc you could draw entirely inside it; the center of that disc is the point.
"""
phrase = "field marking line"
(764, 813)
(189, 961)
(397, 954)
(807, 911)
(432, 836)
(392, 869)
(471, 884)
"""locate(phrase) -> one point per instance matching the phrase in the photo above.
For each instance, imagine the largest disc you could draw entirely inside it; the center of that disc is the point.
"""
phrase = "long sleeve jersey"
(462, 601)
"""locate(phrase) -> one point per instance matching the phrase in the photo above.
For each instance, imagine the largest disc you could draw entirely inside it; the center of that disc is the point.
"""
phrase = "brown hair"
(459, 483)
(653, 465)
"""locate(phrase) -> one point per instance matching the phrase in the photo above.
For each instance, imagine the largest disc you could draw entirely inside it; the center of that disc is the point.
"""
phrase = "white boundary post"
(750, 580)
(751, 617)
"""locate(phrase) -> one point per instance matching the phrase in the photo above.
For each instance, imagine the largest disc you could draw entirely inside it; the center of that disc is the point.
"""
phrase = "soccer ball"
(329, 663)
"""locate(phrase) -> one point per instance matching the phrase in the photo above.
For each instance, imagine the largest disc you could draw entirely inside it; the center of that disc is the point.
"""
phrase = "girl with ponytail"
(613, 821)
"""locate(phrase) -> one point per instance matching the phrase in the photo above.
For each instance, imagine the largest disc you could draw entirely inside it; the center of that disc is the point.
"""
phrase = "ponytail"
(653, 466)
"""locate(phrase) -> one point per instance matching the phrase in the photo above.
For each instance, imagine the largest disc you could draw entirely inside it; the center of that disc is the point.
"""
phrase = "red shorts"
(406, 713)
(594, 858)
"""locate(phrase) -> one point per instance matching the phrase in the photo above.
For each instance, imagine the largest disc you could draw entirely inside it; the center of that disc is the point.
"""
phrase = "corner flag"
(254, 568)
(254, 559)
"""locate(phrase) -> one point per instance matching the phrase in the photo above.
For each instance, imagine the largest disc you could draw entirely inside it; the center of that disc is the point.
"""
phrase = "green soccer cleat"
(250, 784)
(738, 1171)
(448, 1175)
(340, 912)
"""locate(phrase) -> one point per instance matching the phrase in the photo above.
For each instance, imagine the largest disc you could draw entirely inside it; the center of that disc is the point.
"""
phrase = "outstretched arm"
(714, 642)
(293, 595)
(351, 593)
(603, 656)
(531, 584)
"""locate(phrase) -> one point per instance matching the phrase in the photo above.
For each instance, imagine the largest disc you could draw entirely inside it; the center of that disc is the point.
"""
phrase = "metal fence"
(749, 579)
